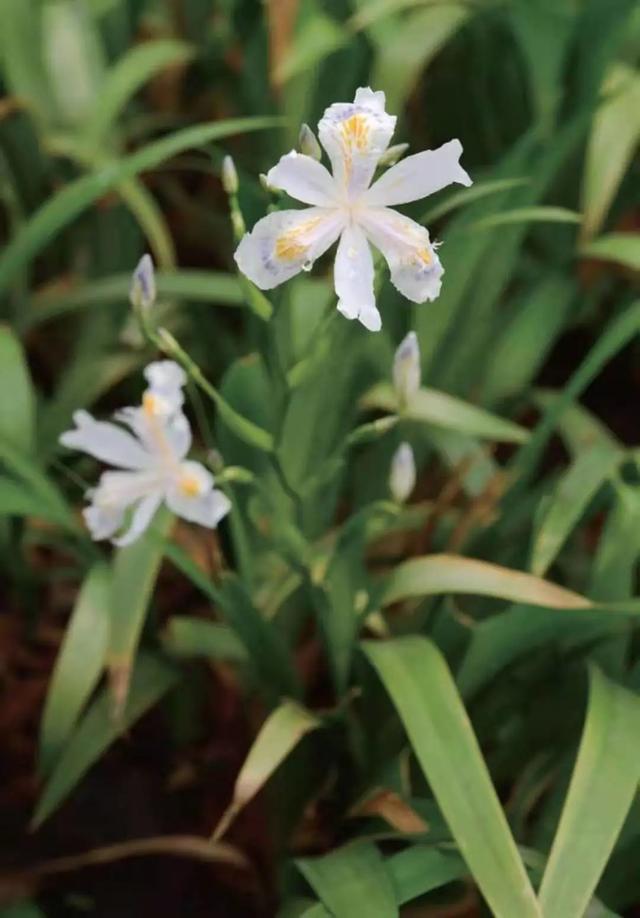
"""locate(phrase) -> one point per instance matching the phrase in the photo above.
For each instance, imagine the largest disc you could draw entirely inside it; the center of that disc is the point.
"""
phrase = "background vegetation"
(289, 679)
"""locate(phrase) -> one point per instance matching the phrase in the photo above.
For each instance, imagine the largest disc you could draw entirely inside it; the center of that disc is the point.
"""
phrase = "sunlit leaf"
(98, 730)
(279, 735)
(438, 574)
(350, 876)
(79, 665)
(602, 789)
(427, 701)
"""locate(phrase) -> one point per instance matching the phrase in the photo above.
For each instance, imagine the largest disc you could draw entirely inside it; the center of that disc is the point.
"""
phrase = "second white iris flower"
(346, 206)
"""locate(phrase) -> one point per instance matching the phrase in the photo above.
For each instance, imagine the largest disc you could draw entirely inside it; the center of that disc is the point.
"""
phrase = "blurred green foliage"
(115, 116)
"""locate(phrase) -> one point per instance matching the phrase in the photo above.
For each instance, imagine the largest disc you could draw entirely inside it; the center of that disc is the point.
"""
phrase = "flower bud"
(406, 368)
(308, 143)
(142, 293)
(391, 156)
(402, 477)
(229, 176)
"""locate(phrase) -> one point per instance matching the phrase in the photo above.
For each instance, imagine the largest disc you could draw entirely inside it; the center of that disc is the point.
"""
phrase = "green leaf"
(578, 427)
(612, 144)
(193, 285)
(78, 667)
(467, 196)
(98, 729)
(348, 878)
(419, 869)
(522, 346)
(74, 60)
(540, 214)
(265, 648)
(53, 504)
(416, 677)
(125, 78)
(437, 574)
(279, 735)
(602, 789)
(21, 910)
(135, 570)
(22, 67)
(410, 45)
(432, 407)
(67, 204)
(319, 36)
(17, 396)
(185, 636)
(615, 336)
(623, 248)
(571, 496)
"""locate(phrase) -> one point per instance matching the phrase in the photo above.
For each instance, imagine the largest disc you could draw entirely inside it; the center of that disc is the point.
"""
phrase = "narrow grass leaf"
(125, 78)
(574, 491)
(614, 139)
(17, 396)
(192, 285)
(66, 205)
(617, 334)
(433, 575)
(421, 868)
(522, 346)
(622, 248)
(541, 214)
(603, 786)
(348, 878)
(416, 677)
(442, 410)
(135, 570)
(279, 735)
(578, 427)
(53, 504)
(185, 636)
(78, 667)
(410, 46)
(97, 730)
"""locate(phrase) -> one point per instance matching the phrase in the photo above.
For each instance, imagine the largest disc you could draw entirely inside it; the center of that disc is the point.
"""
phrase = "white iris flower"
(346, 206)
(149, 459)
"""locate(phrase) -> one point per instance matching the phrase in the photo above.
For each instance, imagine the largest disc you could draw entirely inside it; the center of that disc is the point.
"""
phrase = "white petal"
(415, 268)
(167, 438)
(165, 376)
(142, 516)
(191, 495)
(353, 274)
(282, 243)
(355, 135)
(418, 176)
(166, 380)
(106, 442)
(102, 522)
(304, 179)
(119, 490)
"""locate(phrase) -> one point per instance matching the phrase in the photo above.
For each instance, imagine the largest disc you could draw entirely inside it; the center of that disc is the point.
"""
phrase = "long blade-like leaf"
(61, 209)
(98, 729)
(350, 880)
(79, 665)
(424, 694)
(602, 788)
(436, 574)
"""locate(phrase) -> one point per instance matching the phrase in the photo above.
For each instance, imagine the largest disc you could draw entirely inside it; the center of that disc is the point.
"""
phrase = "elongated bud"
(406, 368)
(229, 176)
(142, 293)
(402, 477)
(391, 156)
(308, 143)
